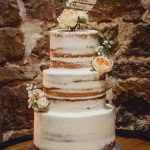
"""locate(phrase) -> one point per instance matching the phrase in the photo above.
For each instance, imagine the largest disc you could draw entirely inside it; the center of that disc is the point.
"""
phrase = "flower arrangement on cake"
(36, 99)
(71, 19)
(102, 62)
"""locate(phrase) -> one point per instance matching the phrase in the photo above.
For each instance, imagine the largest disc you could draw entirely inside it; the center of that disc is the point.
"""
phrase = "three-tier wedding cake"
(71, 112)
(78, 117)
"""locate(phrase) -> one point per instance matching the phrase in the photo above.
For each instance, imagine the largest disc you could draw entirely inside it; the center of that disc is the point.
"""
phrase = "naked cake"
(78, 117)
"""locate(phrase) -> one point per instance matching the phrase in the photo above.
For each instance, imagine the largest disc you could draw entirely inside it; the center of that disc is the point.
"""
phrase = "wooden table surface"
(126, 143)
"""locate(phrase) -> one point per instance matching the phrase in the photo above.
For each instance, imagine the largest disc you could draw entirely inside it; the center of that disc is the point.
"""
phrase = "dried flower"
(37, 100)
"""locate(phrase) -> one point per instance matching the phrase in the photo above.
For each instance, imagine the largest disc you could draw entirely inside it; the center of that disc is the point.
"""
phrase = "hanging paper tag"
(81, 4)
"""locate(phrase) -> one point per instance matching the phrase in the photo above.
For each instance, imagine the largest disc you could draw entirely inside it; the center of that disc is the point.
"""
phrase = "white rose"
(68, 18)
(43, 102)
(102, 64)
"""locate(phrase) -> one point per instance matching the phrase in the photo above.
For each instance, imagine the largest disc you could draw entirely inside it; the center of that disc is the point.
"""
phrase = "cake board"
(117, 147)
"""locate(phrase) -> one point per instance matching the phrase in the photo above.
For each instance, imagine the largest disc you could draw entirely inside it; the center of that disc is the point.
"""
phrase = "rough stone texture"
(126, 69)
(41, 50)
(11, 45)
(137, 87)
(16, 115)
(132, 102)
(9, 13)
(20, 133)
(44, 9)
(13, 97)
(140, 45)
(131, 92)
(106, 10)
(10, 75)
(134, 39)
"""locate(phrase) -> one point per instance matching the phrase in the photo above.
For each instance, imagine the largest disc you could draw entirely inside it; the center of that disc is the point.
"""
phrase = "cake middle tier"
(73, 84)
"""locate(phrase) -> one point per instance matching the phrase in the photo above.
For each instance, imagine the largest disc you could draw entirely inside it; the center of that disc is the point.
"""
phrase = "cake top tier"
(72, 49)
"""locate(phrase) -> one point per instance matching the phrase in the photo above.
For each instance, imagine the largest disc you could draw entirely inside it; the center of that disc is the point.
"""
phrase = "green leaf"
(92, 69)
(82, 20)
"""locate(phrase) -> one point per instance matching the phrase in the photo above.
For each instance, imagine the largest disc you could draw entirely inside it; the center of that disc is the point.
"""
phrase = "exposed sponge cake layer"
(73, 84)
(72, 49)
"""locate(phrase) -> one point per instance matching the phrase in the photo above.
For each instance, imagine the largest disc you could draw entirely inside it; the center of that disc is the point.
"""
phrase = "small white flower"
(111, 42)
(35, 100)
(30, 104)
(37, 92)
(100, 47)
(43, 102)
(34, 87)
(109, 46)
(105, 42)
(29, 100)
(28, 85)
(27, 88)
(99, 53)
(31, 86)
(35, 109)
(29, 93)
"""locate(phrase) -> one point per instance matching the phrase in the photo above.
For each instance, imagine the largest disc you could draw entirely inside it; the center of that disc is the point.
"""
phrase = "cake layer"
(76, 106)
(72, 49)
(73, 84)
(93, 129)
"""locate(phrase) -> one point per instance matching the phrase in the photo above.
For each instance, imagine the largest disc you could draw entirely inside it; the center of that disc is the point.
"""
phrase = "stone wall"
(24, 53)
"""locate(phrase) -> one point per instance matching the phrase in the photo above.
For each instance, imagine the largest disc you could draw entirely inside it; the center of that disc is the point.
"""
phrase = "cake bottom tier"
(85, 130)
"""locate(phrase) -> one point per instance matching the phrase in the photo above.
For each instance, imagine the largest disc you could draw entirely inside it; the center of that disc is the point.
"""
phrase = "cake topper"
(81, 4)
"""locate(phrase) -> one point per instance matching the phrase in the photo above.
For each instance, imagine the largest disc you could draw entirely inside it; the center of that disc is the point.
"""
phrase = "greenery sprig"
(81, 20)
(105, 49)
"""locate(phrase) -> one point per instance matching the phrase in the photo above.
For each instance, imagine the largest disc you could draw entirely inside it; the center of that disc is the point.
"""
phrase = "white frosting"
(69, 40)
(73, 60)
(87, 85)
(75, 51)
(73, 81)
(62, 75)
(79, 43)
(73, 43)
(64, 32)
(68, 130)
(76, 106)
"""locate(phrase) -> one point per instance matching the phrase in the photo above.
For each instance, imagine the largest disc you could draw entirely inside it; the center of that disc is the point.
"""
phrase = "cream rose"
(43, 102)
(68, 18)
(102, 64)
